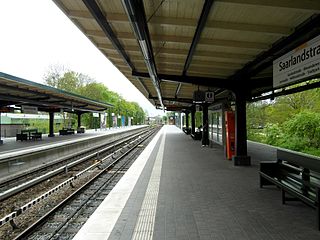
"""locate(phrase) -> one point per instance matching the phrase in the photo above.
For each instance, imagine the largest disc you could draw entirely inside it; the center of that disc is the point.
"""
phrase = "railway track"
(94, 178)
(19, 183)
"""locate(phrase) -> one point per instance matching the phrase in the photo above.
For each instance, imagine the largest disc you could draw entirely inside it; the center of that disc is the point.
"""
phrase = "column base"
(241, 160)
(51, 135)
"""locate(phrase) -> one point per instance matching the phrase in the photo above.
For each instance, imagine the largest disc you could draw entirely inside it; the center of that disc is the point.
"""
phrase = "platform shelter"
(25, 95)
(186, 53)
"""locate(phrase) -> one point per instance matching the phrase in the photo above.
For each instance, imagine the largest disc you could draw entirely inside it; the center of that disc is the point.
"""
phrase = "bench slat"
(296, 174)
(310, 162)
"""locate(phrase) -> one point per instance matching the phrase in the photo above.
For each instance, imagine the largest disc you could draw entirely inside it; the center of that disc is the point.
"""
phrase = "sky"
(36, 35)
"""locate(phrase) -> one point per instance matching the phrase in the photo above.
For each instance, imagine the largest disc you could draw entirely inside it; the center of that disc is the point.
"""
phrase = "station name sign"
(301, 63)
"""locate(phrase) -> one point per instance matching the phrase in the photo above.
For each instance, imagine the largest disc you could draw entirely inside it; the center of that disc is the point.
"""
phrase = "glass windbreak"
(215, 126)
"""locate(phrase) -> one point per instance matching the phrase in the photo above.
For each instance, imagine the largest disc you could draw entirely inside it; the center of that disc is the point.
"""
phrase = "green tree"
(291, 121)
(84, 85)
(304, 126)
(273, 134)
(164, 119)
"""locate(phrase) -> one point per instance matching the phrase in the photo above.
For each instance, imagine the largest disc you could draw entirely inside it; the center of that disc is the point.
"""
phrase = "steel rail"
(43, 219)
(12, 191)
(10, 217)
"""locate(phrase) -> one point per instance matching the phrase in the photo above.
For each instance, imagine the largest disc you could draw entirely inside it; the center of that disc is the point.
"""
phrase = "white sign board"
(29, 109)
(209, 96)
(95, 114)
(301, 63)
(103, 120)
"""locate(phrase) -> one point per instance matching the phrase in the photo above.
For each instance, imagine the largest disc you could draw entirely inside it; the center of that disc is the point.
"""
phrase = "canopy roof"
(18, 91)
(170, 48)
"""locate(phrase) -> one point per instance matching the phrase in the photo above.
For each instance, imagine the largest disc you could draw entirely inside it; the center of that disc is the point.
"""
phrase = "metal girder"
(177, 90)
(143, 85)
(56, 110)
(5, 103)
(21, 100)
(202, 21)
(288, 91)
(203, 81)
(261, 82)
(181, 100)
(47, 105)
(106, 28)
(40, 98)
(303, 33)
(177, 109)
(57, 101)
(137, 18)
(145, 88)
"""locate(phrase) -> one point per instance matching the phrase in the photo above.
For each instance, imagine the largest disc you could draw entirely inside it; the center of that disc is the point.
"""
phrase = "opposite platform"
(12, 147)
(178, 190)
(17, 158)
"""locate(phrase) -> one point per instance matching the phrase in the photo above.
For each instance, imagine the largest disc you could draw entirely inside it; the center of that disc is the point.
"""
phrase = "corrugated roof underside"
(234, 34)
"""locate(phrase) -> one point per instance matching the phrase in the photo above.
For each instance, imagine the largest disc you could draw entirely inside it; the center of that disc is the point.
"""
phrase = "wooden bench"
(28, 134)
(36, 135)
(186, 130)
(196, 135)
(21, 136)
(81, 130)
(297, 175)
(66, 131)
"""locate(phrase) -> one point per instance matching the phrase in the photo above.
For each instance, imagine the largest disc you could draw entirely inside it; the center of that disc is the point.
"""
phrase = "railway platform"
(178, 190)
(12, 145)
(17, 157)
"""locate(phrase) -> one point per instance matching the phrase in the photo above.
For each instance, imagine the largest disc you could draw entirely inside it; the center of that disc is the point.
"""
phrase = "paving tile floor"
(204, 196)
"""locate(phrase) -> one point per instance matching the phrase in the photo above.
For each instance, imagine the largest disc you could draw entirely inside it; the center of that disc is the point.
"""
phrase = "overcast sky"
(35, 34)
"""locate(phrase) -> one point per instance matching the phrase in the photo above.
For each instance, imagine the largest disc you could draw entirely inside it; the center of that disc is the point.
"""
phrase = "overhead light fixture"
(144, 49)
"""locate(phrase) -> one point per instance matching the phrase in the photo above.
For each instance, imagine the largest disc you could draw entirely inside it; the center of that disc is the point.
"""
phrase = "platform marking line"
(145, 223)
(101, 223)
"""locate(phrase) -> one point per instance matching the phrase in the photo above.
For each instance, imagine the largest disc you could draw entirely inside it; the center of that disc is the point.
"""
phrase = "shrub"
(273, 134)
(256, 135)
(304, 127)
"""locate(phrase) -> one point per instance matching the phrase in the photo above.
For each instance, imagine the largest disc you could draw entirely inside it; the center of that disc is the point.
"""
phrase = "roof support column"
(205, 131)
(187, 120)
(241, 158)
(1, 141)
(193, 119)
(51, 122)
(79, 119)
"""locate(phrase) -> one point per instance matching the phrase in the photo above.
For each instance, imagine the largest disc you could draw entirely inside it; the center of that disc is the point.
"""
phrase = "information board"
(301, 63)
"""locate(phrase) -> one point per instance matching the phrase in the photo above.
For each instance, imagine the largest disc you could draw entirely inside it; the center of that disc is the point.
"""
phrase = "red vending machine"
(230, 134)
